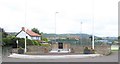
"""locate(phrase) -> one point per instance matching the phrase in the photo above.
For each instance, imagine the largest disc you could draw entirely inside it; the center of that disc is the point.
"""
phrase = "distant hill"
(67, 35)
(70, 35)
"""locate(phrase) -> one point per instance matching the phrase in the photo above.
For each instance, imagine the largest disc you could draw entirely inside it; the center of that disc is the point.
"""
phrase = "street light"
(25, 24)
(81, 33)
(93, 28)
(55, 26)
(25, 43)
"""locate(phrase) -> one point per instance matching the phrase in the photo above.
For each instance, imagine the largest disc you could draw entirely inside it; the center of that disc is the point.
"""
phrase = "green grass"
(115, 48)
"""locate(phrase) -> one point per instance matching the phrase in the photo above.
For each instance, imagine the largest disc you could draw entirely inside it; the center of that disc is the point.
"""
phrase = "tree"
(42, 36)
(35, 30)
(4, 34)
(45, 39)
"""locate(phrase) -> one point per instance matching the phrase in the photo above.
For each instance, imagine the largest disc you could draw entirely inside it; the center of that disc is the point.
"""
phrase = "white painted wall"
(35, 38)
(22, 35)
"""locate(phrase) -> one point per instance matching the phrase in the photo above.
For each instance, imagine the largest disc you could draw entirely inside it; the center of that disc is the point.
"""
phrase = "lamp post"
(93, 28)
(93, 40)
(25, 24)
(25, 43)
(81, 33)
(55, 26)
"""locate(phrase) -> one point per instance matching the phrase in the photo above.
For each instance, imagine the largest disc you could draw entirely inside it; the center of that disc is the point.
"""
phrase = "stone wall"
(100, 49)
(76, 49)
(54, 46)
(103, 49)
(66, 46)
(37, 49)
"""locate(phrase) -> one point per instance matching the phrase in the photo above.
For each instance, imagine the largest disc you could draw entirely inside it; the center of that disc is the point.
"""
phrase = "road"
(110, 58)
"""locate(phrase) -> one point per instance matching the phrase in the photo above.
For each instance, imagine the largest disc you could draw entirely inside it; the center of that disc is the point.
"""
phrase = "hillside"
(67, 35)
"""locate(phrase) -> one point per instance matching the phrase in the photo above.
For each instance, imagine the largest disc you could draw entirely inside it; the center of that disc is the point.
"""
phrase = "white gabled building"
(29, 34)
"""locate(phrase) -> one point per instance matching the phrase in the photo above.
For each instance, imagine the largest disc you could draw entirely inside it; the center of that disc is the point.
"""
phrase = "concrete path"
(110, 58)
(23, 56)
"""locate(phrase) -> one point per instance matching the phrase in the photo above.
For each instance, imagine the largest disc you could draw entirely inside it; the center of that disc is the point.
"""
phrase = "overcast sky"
(41, 14)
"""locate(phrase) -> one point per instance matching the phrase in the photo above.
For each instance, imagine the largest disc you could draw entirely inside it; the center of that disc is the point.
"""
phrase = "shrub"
(36, 42)
(89, 51)
(11, 41)
(86, 50)
(92, 51)
(22, 42)
(20, 50)
(8, 41)
(45, 39)
(29, 42)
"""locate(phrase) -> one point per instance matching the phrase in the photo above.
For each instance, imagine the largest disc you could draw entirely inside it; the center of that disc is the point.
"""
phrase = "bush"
(89, 51)
(45, 39)
(11, 41)
(86, 50)
(22, 42)
(36, 42)
(29, 42)
(8, 41)
(20, 50)
(92, 51)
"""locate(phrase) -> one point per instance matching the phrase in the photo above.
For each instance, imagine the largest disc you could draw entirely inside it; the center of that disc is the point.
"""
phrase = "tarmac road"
(110, 58)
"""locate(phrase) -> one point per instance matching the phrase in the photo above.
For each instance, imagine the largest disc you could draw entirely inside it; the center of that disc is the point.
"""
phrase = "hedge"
(36, 42)
(11, 41)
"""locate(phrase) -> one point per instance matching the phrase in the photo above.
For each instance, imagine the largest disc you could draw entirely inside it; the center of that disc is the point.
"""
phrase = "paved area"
(111, 58)
(23, 56)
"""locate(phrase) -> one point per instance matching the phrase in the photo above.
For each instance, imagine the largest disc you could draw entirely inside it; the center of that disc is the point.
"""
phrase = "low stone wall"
(100, 49)
(76, 49)
(38, 49)
(103, 49)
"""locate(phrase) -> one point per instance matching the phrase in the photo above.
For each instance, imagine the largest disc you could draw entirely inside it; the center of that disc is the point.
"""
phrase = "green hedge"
(7, 41)
(35, 42)
(11, 41)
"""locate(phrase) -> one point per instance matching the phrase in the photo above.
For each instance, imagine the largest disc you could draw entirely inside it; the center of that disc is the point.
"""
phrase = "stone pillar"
(55, 46)
(65, 46)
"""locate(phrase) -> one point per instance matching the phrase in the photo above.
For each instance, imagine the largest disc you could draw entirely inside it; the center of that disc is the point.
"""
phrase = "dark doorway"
(60, 45)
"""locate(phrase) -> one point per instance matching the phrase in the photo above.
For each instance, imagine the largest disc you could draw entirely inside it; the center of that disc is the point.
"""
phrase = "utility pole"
(25, 25)
(81, 33)
(93, 28)
(55, 25)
